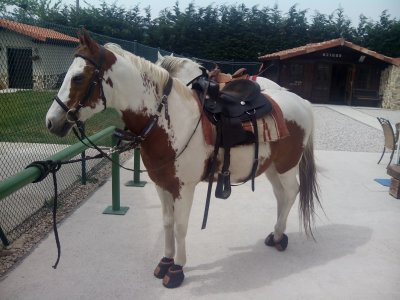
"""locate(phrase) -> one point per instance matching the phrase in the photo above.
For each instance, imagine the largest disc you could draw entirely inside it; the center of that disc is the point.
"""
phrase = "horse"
(163, 113)
(187, 69)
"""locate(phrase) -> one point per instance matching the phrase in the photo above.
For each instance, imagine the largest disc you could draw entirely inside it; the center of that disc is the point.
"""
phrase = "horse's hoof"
(174, 277)
(162, 267)
(281, 245)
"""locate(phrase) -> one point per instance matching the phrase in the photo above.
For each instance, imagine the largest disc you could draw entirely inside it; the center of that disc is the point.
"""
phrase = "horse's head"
(182, 68)
(81, 94)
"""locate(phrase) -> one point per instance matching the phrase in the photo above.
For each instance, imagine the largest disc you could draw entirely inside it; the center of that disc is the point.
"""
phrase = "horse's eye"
(77, 78)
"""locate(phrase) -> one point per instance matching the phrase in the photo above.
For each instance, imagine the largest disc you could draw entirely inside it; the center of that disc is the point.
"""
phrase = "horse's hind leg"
(286, 188)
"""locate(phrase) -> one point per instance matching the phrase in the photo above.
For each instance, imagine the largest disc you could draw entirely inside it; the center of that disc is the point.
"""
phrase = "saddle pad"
(271, 128)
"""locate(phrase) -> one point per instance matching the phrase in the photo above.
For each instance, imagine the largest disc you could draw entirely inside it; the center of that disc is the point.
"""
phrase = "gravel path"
(334, 131)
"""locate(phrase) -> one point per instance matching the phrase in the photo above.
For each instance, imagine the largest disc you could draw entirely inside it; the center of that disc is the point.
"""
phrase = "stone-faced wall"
(390, 87)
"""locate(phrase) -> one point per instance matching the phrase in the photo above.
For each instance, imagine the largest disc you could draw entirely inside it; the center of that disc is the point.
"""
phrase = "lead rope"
(49, 166)
(54, 172)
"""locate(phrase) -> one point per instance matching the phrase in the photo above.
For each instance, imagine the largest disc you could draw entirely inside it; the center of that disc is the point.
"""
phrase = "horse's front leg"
(167, 206)
(176, 217)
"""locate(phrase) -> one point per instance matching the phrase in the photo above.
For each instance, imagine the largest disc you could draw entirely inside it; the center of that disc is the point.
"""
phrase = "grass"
(22, 118)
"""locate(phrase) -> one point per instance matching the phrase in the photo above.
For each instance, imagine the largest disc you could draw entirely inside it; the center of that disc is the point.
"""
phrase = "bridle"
(96, 79)
(134, 139)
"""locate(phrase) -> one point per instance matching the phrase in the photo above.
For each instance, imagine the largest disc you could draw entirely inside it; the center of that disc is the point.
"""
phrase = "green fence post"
(83, 156)
(116, 208)
(136, 171)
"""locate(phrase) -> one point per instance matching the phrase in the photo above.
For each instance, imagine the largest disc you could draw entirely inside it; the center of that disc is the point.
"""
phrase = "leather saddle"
(239, 101)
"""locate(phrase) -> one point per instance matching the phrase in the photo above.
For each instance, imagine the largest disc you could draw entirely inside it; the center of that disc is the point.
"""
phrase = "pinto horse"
(173, 148)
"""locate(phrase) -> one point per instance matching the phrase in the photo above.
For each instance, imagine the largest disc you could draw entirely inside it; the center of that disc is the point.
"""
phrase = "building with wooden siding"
(335, 71)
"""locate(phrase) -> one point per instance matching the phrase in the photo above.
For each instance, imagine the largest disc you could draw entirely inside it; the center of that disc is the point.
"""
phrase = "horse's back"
(294, 109)
(267, 84)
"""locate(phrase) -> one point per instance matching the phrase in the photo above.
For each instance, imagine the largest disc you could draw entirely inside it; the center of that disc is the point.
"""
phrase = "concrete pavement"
(356, 255)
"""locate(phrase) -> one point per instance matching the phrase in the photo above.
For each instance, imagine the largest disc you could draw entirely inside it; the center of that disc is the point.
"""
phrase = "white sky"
(352, 8)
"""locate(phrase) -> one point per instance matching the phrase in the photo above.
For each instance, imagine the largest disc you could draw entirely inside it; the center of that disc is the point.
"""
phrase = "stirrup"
(223, 189)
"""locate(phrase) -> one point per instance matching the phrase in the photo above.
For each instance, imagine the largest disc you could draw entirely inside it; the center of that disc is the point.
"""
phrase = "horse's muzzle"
(59, 127)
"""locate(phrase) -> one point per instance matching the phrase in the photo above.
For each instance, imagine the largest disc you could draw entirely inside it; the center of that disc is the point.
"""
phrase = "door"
(339, 84)
(20, 68)
(321, 83)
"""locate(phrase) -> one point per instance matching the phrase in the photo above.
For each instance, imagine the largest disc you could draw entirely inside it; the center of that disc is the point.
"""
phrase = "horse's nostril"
(49, 125)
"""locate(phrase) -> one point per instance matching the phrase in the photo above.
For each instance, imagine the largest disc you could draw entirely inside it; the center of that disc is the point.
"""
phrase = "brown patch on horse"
(286, 153)
(89, 48)
(207, 167)
(110, 82)
(157, 153)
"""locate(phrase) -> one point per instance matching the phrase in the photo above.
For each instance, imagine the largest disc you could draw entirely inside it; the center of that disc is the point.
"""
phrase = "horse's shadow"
(258, 265)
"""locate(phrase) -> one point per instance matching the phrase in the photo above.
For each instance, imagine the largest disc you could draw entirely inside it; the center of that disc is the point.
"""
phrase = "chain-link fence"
(33, 63)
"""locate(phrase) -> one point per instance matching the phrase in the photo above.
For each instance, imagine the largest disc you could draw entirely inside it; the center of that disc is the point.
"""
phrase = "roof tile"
(38, 33)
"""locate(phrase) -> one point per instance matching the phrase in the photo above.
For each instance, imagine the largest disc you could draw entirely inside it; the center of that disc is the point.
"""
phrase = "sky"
(352, 8)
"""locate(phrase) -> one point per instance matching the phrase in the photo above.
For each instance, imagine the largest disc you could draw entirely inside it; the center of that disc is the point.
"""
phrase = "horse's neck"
(138, 89)
(167, 138)
(131, 89)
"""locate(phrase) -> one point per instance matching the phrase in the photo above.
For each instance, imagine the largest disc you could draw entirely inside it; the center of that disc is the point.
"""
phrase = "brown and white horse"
(175, 152)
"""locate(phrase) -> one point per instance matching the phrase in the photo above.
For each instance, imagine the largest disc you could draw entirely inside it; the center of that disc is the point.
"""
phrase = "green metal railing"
(30, 174)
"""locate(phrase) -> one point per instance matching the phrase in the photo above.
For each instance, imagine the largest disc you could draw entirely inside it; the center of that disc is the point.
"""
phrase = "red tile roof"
(309, 48)
(38, 33)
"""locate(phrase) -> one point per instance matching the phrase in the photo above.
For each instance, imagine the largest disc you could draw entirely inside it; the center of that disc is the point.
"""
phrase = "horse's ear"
(86, 40)
(159, 56)
(172, 54)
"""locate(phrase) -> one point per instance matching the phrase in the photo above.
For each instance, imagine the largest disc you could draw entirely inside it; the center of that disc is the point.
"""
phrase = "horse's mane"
(141, 63)
(172, 64)
(144, 65)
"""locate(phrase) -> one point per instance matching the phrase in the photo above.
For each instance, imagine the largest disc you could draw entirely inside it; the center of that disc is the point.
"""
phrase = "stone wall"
(3, 82)
(48, 82)
(390, 88)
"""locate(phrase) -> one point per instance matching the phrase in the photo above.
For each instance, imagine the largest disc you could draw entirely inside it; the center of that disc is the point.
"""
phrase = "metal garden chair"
(390, 137)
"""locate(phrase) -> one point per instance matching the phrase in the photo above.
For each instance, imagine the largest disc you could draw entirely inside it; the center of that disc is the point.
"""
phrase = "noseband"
(96, 79)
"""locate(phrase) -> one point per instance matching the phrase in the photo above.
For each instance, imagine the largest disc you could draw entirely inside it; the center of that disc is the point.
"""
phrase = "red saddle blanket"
(271, 127)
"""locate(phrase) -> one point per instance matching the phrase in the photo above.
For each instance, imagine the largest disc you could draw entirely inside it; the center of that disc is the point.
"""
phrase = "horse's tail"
(309, 189)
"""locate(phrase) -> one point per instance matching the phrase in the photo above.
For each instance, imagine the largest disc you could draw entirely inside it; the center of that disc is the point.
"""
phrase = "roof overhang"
(314, 47)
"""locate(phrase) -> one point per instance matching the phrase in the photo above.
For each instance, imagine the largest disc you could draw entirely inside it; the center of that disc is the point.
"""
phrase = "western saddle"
(240, 100)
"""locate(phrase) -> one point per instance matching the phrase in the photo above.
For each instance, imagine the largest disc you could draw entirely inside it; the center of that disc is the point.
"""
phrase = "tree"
(217, 32)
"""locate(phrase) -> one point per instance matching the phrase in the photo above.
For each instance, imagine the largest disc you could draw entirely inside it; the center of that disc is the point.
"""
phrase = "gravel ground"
(334, 131)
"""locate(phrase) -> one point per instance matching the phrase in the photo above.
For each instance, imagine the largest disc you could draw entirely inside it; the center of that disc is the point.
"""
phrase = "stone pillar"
(390, 87)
